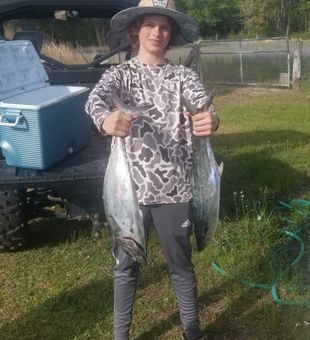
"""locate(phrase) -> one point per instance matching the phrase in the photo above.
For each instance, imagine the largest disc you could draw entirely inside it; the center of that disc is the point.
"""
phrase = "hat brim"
(187, 26)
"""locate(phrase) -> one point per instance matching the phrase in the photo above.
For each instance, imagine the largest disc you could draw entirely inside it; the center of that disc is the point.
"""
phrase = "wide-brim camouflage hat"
(188, 29)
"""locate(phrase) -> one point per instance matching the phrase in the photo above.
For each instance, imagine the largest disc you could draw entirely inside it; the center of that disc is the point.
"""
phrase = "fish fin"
(221, 168)
(140, 214)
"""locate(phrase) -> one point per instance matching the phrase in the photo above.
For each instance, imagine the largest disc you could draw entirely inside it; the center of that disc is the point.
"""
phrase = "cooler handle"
(18, 120)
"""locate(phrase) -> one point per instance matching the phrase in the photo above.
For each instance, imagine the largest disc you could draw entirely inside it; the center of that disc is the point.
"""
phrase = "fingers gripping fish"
(206, 179)
(119, 196)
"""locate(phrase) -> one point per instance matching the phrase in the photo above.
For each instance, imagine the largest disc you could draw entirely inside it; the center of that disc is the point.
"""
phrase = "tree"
(257, 18)
(275, 17)
(213, 16)
(300, 12)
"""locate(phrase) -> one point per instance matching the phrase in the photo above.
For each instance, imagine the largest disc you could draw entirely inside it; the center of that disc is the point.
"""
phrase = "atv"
(71, 188)
(74, 184)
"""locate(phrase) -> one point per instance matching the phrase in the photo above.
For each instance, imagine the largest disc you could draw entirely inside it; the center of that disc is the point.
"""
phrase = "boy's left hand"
(204, 123)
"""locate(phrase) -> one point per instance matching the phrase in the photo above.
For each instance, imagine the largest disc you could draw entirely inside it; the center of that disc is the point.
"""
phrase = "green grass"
(62, 287)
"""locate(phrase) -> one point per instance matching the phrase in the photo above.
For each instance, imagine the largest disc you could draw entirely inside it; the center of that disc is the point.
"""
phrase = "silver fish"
(206, 180)
(119, 196)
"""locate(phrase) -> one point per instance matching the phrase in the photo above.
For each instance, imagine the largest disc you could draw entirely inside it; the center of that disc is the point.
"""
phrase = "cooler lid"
(20, 68)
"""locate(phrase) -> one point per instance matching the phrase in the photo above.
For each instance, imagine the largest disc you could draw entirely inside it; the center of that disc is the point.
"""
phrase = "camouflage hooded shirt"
(159, 146)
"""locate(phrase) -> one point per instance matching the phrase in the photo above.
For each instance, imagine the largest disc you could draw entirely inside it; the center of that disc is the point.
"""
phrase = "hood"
(18, 9)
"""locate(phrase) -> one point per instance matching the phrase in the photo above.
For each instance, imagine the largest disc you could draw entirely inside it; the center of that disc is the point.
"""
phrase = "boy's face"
(154, 34)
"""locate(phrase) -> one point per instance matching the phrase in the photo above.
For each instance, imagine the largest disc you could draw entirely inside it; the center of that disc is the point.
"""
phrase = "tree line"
(249, 17)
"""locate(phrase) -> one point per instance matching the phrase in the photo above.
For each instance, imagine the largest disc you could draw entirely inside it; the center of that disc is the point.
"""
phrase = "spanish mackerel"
(119, 196)
(206, 179)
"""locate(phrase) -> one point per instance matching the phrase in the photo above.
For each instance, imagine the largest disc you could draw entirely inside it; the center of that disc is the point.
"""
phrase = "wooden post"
(241, 67)
(297, 54)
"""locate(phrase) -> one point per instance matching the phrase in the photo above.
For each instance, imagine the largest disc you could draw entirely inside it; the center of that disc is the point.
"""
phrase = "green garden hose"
(279, 272)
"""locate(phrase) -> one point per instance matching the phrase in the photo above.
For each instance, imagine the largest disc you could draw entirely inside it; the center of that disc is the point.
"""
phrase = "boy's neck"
(152, 59)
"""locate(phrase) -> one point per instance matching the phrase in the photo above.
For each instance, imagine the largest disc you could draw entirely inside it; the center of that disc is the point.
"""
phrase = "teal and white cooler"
(40, 123)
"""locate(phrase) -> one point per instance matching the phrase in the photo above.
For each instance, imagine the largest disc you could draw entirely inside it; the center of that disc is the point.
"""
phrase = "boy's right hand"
(118, 123)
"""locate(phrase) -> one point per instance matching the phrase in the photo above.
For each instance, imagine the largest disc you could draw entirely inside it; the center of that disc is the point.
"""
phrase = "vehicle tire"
(12, 221)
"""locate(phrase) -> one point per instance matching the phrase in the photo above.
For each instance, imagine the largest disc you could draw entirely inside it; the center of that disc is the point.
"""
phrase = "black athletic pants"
(173, 224)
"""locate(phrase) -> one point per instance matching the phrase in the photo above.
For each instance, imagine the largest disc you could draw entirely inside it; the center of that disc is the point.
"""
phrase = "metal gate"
(258, 62)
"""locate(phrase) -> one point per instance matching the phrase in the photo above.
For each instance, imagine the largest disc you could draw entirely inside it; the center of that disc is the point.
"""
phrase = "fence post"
(241, 68)
(297, 54)
(192, 57)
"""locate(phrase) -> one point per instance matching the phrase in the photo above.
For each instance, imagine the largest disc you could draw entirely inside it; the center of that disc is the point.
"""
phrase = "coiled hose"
(279, 272)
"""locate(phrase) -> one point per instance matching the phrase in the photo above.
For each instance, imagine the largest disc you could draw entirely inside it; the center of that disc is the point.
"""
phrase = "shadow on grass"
(224, 326)
(53, 232)
(254, 171)
(253, 316)
(242, 318)
(85, 312)
(227, 322)
(66, 315)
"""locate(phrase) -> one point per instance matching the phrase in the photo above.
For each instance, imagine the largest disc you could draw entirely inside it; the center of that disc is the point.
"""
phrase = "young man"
(158, 145)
